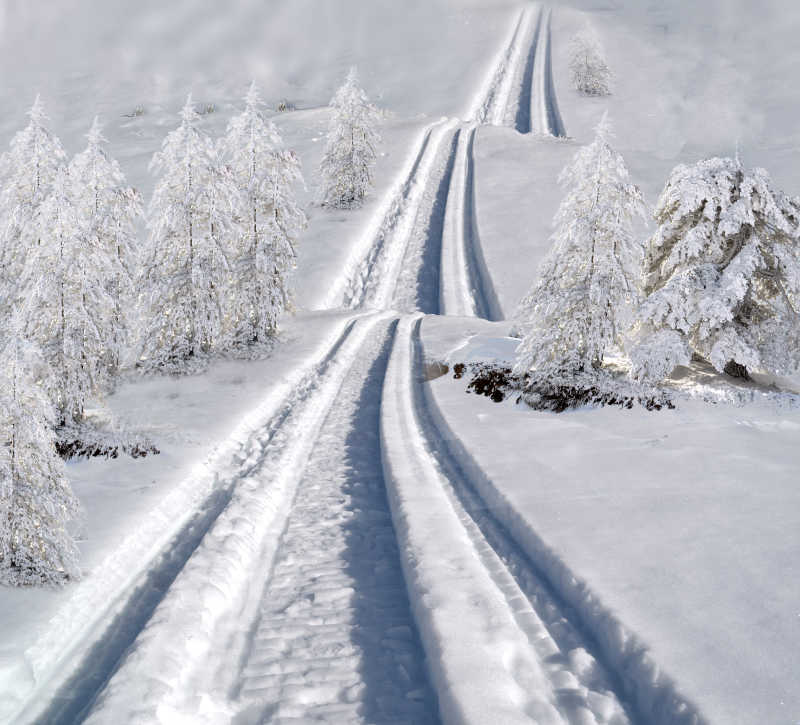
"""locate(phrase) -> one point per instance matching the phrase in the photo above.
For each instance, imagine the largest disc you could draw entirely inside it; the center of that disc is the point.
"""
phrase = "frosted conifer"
(67, 301)
(590, 73)
(186, 275)
(27, 171)
(351, 149)
(36, 502)
(271, 221)
(722, 274)
(107, 210)
(586, 290)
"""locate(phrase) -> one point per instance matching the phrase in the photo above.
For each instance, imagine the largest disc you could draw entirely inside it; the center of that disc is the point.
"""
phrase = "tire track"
(138, 637)
(375, 280)
(551, 664)
(522, 118)
(492, 102)
(190, 644)
(124, 618)
(545, 115)
(396, 235)
(360, 285)
(612, 668)
(335, 638)
(418, 287)
(466, 287)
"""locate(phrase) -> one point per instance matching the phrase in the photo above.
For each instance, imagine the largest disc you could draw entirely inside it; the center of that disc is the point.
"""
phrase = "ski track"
(292, 567)
(466, 286)
(335, 639)
(545, 116)
(562, 681)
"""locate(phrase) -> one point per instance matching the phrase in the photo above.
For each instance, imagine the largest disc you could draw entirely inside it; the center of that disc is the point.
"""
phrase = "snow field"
(476, 624)
(311, 621)
(138, 532)
(670, 535)
(144, 133)
(654, 694)
(162, 675)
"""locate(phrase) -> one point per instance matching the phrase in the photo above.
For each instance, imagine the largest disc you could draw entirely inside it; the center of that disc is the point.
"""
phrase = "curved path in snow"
(545, 117)
(466, 287)
(431, 210)
(484, 613)
(344, 568)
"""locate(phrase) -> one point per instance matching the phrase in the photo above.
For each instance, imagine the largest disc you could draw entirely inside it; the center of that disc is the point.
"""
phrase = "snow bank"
(474, 646)
(671, 534)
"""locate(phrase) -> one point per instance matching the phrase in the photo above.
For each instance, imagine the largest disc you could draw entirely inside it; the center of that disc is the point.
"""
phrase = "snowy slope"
(179, 549)
(682, 525)
(141, 515)
(119, 59)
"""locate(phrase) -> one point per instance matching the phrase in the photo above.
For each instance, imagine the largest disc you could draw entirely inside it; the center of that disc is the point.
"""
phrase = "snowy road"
(293, 608)
(335, 638)
(423, 250)
(288, 600)
(485, 614)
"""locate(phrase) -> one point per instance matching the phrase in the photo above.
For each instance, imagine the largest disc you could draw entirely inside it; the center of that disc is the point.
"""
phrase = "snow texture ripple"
(184, 664)
(483, 612)
(335, 640)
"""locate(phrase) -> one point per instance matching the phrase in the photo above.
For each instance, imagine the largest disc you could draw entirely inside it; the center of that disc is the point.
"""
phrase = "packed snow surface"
(683, 523)
(337, 532)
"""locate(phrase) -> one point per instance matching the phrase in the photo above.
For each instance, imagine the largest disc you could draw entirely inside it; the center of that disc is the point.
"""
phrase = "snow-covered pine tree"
(67, 301)
(27, 170)
(586, 291)
(271, 221)
(107, 210)
(590, 73)
(186, 274)
(722, 274)
(36, 502)
(351, 149)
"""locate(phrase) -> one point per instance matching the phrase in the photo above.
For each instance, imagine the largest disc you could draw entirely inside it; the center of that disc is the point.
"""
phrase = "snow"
(490, 652)
(681, 524)
(674, 531)
(202, 424)
(152, 56)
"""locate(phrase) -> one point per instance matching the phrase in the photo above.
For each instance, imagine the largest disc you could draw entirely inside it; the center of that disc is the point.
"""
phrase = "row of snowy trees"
(719, 279)
(223, 226)
(80, 297)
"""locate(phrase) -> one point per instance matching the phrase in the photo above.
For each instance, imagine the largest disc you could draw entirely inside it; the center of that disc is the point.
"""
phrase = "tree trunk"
(735, 370)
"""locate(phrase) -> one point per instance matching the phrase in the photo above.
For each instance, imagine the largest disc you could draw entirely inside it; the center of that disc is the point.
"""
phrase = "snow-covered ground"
(137, 511)
(326, 537)
(682, 525)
